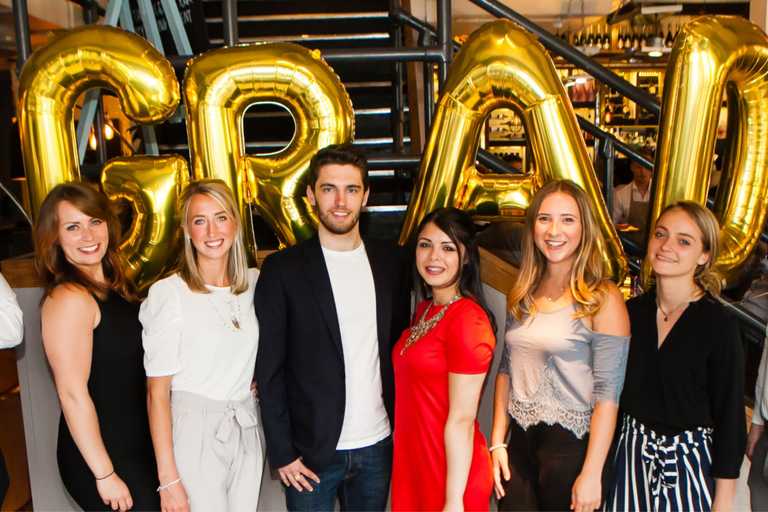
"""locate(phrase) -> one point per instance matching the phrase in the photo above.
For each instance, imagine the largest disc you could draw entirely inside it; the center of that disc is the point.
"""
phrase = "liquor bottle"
(620, 40)
(669, 41)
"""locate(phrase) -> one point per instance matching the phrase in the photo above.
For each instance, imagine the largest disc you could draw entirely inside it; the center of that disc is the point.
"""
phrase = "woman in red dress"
(441, 461)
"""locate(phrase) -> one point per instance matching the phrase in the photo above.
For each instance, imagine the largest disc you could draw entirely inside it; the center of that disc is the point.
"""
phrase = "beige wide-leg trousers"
(218, 452)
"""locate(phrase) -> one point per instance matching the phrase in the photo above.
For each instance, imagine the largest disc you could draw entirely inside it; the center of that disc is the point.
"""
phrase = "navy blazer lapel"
(320, 282)
(382, 282)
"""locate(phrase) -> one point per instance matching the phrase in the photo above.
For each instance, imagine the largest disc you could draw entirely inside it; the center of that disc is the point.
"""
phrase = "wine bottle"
(620, 40)
(669, 41)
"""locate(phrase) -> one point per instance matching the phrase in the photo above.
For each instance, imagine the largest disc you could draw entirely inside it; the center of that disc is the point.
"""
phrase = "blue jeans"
(359, 478)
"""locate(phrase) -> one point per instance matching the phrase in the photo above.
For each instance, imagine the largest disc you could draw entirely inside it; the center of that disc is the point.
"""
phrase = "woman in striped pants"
(683, 431)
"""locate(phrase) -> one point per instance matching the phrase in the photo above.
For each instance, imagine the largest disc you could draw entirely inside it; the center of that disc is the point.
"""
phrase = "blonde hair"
(237, 267)
(705, 275)
(587, 274)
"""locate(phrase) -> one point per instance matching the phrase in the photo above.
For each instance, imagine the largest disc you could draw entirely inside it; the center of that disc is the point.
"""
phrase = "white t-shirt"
(365, 418)
(11, 327)
(192, 336)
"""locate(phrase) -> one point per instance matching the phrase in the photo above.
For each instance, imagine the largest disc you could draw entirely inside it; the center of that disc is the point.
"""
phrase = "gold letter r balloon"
(50, 83)
(221, 84)
(501, 65)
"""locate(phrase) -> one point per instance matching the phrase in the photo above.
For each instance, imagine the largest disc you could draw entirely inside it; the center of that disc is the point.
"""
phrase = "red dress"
(462, 342)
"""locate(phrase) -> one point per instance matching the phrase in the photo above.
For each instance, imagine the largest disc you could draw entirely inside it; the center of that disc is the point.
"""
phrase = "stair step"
(270, 146)
(248, 8)
(325, 17)
(310, 38)
(288, 24)
(359, 112)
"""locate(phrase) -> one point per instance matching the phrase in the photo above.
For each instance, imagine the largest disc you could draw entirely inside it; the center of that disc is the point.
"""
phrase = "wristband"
(105, 476)
(497, 446)
(169, 484)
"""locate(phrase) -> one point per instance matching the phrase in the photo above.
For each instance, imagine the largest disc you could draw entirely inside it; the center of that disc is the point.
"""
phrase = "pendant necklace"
(666, 314)
(234, 313)
(423, 326)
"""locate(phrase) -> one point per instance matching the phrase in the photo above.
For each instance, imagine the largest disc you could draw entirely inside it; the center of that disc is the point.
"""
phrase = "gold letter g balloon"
(50, 83)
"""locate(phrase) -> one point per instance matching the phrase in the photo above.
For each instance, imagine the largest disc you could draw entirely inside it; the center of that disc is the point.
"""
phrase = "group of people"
(597, 403)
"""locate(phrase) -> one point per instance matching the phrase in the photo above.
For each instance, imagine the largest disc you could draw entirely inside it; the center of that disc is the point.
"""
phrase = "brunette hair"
(237, 267)
(705, 275)
(50, 261)
(342, 154)
(459, 227)
(588, 271)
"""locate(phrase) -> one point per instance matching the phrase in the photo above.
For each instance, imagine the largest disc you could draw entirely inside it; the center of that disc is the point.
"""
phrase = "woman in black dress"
(92, 339)
(683, 430)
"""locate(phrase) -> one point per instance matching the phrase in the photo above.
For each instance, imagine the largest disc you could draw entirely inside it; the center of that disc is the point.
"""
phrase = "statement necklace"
(234, 313)
(423, 326)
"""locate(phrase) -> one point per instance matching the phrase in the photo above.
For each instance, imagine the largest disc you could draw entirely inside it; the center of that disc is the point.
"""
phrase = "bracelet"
(105, 476)
(169, 484)
(497, 446)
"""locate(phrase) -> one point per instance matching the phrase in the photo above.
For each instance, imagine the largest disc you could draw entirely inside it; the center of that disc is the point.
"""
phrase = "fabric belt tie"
(661, 456)
(237, 417)
(661, 452)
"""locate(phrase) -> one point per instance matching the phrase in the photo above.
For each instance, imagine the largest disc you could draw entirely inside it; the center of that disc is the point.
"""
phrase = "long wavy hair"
(237, 266)
(461, 230)
(705, 275)
(50, 261)
(588, 271)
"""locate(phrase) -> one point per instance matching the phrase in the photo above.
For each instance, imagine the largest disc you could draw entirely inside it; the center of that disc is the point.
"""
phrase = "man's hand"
(298, 475)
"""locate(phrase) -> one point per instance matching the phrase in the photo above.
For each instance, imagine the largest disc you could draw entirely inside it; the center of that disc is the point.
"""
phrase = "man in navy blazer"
(330, 309)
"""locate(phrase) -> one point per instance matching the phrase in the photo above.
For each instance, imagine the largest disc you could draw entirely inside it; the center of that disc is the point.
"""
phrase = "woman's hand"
(174, 499)
(586, 493)
(500, 459)
(114, 492)
(755, 431)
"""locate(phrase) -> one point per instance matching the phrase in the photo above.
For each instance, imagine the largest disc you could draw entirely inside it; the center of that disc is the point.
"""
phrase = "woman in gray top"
(565, 355)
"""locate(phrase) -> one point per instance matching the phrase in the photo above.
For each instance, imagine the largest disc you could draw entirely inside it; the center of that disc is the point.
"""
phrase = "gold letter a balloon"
(501, 65)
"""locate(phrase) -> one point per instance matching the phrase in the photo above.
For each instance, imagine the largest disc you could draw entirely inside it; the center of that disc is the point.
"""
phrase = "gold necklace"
(664, 314)
(423, 326)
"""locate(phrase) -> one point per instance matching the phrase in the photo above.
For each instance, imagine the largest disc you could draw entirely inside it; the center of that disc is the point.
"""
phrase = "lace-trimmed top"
(559, 368)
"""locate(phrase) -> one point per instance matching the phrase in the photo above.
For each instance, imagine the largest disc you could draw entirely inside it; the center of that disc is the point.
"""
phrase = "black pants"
(544, 461)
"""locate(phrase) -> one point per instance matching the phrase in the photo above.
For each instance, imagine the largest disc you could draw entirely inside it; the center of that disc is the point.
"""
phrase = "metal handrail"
(574, 56)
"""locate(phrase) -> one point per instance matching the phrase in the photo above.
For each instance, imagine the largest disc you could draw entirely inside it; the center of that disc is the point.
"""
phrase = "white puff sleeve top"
(207, 341)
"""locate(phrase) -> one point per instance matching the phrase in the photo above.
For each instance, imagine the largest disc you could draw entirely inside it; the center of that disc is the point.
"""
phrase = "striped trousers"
(660, 473)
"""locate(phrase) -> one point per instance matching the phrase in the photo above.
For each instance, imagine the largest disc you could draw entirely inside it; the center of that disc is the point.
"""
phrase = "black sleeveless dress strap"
(117, 385)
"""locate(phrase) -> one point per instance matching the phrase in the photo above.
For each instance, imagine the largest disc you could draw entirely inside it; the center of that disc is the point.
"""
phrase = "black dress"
(117, 385)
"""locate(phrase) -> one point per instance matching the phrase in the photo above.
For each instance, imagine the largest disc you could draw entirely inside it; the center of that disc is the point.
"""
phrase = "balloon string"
(18, 205)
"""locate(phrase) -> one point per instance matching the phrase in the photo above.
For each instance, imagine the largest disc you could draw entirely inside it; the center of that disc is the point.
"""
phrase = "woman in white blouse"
(200, 339)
